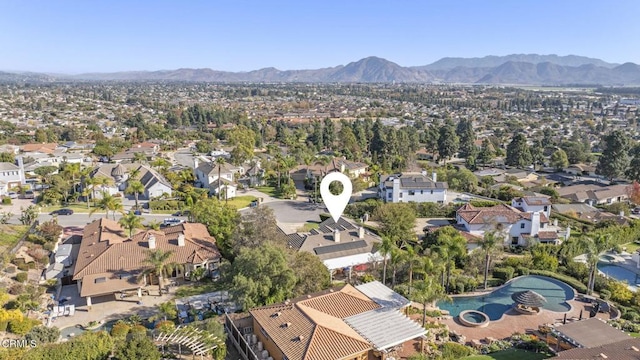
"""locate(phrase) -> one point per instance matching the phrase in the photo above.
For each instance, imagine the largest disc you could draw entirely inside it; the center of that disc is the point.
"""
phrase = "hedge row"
(166, 204)
(574, 283)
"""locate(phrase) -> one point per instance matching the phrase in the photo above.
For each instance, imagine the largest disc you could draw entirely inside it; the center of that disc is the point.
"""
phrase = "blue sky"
(240, 35)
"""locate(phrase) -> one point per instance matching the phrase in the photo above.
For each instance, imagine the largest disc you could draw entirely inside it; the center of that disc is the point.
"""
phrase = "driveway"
(292, 214)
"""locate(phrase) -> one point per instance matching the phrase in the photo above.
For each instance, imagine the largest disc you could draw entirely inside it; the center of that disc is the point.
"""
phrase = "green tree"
(518, 153)
(258, 226)
(135, 188)
(467, 139)
(311, 273)
(559, 159)
(261, 276)
(220, 162)
(28, 215)
(447, 141)
(137, 347)
(615, 159)
(490, 243)
(397, 221)
(450, 247)
(594, 246)
(7, 157)
(385, 248)
(220, 219)
(425, 292)
(45, 172)
(487, 153)
(108, 203)
(43, 334)
(244, 140)
(158, 265)
(131, 221)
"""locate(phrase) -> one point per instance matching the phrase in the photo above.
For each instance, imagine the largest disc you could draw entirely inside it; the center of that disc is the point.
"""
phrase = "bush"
(21, 326)
(483, 203)
(521, 270)
(138, 330)
(42, 334)
(10, 269)
(605, 294)
(166, 204)
(453, 350)
(6, 201)
(22, 277)
(574, 283)
(120, 329)
(504, 273)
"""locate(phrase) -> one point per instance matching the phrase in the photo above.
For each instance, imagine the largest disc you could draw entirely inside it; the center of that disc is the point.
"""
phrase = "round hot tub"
(473, 318)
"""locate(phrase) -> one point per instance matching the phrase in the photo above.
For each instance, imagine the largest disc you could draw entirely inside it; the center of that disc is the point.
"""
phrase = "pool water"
(473, 317)
(621, 274)
(496, 303)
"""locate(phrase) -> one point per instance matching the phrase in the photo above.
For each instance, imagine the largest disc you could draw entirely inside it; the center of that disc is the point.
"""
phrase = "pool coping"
(474, 294)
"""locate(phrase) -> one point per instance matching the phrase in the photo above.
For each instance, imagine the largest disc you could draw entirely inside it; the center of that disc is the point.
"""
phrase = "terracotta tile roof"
(98, 255)
(314, 329)
(547, 235)
(44, 147)
(502, 213)
(341, 304)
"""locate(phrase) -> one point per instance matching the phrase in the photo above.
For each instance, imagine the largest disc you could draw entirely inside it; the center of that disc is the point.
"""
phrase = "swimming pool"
(620, 273)
(496, 303)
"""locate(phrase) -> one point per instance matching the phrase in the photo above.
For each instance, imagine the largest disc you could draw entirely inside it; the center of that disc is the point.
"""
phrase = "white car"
(171, 222)
(13, 194)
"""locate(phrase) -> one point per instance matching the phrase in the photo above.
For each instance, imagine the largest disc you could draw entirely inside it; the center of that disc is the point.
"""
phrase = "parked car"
(12, 195)
(137, 212)
(636, 211)
(182, 213)
(171, 222)
(64, 211)
(29, 194)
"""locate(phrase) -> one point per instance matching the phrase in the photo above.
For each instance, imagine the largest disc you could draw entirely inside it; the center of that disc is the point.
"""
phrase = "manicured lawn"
(269, 190)
(510, 354)
(634, 335)
(80, 207)
(631, 247)
(308, 227)
(240, 202)
(10, 234)
(196, 288)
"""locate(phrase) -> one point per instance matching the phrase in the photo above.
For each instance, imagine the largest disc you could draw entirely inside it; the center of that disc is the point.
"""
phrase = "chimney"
(152, 241)
(535, 223)
(621, 213)
(180, 239)
(555, 222)
(361, 232)
(21, 172)
(434, 176)
(424, 172)
(195, 162)
(336, 235)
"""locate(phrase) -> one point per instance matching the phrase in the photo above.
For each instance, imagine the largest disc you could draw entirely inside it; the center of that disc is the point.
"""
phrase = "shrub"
(574, 283)
(620, 292)
(22, 277)
(42, 334)
(21, 326)
(521, 270)
(453, 350)
(504, 273)
(166, 204)
(605, 294)
(6, 201)
(10, 269)
(120, 329)
(138, 330)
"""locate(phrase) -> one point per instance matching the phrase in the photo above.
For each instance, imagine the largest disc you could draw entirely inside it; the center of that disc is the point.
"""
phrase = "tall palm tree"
(489, 244)
(131, 222)
(72, 171)
(219, 162)
(159, 265)
(139, 157)
(102, 182)
(108, 203)
(135, 187)
(396, 259)
(450, 248)
(595, 246)
(385, 248)
(412, 258)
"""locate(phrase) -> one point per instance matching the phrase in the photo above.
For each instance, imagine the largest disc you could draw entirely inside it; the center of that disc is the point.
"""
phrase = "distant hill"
(494, 61)
(528, 69)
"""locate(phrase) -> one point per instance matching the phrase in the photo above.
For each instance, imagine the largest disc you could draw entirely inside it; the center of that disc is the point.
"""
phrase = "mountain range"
(517, 69)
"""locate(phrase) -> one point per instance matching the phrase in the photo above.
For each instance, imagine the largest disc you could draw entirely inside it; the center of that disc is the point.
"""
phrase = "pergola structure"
(198, 341)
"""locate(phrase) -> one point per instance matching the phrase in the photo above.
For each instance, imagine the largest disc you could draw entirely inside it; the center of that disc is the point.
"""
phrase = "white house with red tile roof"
(519, 227)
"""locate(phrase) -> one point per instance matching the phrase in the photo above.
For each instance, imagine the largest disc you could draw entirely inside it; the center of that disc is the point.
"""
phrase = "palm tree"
(385, 248)
(489, 243)
(396, 259)
(102, 182)
(139, 157)
(72, 170)
(412, 258)
(108, 203)
(595, 246)
(131, 221)
(449, 249)
(219, 161)
(135, 187)
(167, 310)
(426, 292)
(159, 265)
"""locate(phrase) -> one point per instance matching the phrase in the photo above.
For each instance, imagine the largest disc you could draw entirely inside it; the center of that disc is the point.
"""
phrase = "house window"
(390, 196)
(546, 208)
(522, 226)
(412, 192)
(514, 240)
(401, 195)
(421, 192)
(431, 192)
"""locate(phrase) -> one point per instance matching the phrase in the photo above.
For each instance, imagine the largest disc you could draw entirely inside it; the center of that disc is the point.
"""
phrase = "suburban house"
(519, 227)
(318, 170)
(155, 184)
(45, 148)
(347, 322)
(341, 247)
(11, 175)
(109, 262)
(207, 175)
(589, 213)
(253, 177)
(580, 170)
(595, 193)
(409, 187)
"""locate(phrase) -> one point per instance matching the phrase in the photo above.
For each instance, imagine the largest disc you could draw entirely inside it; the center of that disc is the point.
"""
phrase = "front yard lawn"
(197, 288)
(269, 190)
(510, 354)
(240, 202)
(632, 247)
(80, 207)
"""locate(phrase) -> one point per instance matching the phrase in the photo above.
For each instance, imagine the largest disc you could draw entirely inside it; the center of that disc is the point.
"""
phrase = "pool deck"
(512, 322)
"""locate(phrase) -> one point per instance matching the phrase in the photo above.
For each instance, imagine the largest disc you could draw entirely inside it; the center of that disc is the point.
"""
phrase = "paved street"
(183, 157)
